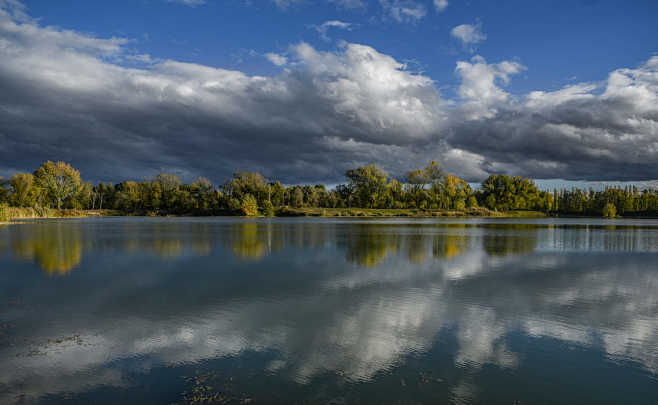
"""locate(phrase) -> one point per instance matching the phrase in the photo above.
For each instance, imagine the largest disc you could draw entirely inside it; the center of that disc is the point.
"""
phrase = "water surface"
(329, 311)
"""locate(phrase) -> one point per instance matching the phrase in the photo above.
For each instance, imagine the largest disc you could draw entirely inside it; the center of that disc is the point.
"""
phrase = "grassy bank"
(413, 213)
(12, 213)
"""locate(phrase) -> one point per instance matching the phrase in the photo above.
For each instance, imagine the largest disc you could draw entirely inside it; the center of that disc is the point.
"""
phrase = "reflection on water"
(55, 247)
(330, 311)
(368, 244)
(449, 246)
(248, 242)
(58, 248)
(505, 244)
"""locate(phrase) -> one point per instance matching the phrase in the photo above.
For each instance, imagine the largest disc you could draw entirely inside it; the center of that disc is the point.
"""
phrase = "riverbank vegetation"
(57, 189)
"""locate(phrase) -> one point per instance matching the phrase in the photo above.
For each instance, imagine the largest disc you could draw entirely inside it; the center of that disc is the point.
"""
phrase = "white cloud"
(578, 92)
(469, 34)
(479, 90)
(342, 108)
(324, 27)
(16, 9)
(276, 59)
(284, 4)
(191, 3)
(440, 5)
(349, 3)
(408, 11)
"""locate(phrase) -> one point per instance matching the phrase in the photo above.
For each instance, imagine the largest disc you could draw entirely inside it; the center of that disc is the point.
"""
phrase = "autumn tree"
(249, 206)
(59, 181)
(609, 211)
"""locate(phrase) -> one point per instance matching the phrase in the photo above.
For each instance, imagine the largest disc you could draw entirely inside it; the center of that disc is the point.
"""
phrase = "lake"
(329, 311)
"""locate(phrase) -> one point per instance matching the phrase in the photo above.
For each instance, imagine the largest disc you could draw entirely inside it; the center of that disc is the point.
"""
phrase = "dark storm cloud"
(68, 96)
(573, 133)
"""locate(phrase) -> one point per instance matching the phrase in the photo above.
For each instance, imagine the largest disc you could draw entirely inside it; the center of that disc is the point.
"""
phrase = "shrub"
(249, 206)
(609, 211)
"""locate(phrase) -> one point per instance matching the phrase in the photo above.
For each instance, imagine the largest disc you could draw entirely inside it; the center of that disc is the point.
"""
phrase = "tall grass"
(9, 213)
(4, 213)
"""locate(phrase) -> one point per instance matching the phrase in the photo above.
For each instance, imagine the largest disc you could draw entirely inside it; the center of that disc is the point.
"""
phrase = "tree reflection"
(371, 244)
(3, 240)
(56, 248)
(449, 246)
(417, 251)
(506, 239)
(170, 240)
(368, 245)
(509, 244)
(249, 241)
(167, 248)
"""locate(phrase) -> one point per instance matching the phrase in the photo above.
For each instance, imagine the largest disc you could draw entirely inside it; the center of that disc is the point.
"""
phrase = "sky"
(561, 91)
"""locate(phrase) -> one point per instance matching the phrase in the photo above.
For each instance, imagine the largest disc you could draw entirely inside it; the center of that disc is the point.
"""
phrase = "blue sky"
(560, 42)
(302, 89)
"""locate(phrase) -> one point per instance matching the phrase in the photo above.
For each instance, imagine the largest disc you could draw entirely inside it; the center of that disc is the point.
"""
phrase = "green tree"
(4, 193)
(369, 184)
(277, 192)
(203, 194)
(82, 199)
(491, 201)
(25, 192)
(268, 209)
(296, 196)
(169, 184)
(247, 183)
(59, 180)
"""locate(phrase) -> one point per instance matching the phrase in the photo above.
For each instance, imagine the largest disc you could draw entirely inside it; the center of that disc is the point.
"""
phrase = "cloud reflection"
(353, 299)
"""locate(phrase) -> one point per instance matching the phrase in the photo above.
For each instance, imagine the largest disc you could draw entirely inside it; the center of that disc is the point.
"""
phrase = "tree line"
(59, 185)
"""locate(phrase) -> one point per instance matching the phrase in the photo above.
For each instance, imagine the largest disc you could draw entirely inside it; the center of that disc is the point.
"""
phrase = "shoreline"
(314, 213)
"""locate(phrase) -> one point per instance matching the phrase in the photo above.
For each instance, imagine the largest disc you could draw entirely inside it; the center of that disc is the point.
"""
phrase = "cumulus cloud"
(126, 122)
(70, 96)
(276, 59)
(479, 89)
(440, 5)
(324, 27)
(408, 11)
(469, 34)
(585, 131)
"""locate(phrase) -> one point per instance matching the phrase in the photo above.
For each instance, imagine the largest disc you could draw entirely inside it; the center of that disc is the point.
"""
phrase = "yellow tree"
(59, 180)
(249, 206)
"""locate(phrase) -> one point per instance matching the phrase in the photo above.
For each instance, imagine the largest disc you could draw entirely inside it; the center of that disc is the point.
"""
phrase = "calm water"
(312, 311)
